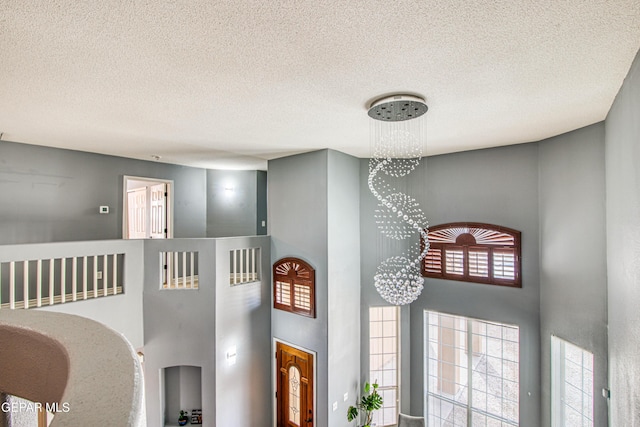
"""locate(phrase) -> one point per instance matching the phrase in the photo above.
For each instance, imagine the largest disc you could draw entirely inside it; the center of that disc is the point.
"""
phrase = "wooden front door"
(294, 397)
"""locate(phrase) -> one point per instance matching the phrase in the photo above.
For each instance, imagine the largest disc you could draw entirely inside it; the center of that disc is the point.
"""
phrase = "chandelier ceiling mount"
(397, 108)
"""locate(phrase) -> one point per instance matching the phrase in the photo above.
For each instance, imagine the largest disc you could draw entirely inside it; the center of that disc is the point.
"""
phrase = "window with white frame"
(384, 361)
(571, 385)
(472, 372)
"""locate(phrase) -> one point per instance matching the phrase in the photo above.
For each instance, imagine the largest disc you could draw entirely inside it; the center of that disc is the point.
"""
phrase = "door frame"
(274, 378)
(125, 202)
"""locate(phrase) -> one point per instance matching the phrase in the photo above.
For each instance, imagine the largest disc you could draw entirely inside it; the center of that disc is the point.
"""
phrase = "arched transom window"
(294, 286)
(474, 252)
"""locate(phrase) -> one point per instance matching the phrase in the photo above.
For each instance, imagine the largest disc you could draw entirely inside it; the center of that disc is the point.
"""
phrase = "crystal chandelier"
(397, 144)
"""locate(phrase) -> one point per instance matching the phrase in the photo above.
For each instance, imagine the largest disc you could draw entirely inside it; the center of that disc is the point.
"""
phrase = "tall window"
(473, 252)
(294, 287)
(384, 360)
(471, 372)
(571, 385)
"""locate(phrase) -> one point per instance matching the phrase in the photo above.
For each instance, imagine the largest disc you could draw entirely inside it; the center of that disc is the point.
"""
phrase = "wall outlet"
(335, 406)
(346, 396)
(99, 275)
(264, 223)
(104, 209)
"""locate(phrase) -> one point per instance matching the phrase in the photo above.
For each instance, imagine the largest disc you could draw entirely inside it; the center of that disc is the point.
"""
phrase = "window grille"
(473, 252)
(571, 385)
(294, 287)
(472, 372)
(384, 361)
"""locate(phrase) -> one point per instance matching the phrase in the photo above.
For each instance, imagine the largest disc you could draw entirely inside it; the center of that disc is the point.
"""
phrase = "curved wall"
(91, 371)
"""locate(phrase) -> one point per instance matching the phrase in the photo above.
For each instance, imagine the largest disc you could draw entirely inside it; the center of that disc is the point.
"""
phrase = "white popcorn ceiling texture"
(232, 83)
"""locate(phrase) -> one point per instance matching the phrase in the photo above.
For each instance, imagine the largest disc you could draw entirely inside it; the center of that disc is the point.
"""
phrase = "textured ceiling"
(232, 83)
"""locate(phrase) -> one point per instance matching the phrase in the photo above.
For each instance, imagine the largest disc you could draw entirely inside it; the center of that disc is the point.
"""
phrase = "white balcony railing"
(180, 270)
(244, 265)
(41, 275)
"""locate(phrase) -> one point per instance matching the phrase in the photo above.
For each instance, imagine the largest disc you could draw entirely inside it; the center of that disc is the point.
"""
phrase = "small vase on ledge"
(183, 418)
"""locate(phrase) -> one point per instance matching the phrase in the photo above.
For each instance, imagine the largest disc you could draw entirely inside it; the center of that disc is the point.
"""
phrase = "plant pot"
(183, 422)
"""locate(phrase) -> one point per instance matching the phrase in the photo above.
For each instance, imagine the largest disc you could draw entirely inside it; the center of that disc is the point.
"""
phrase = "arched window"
(474, 252)
(294, 287)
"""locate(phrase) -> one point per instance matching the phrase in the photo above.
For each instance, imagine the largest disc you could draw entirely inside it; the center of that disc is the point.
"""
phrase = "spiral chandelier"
(398, 140)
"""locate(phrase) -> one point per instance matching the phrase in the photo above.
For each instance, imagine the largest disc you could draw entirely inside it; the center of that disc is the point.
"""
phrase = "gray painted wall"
(298, 227)
(197, 327)
(172, 405)
(573, 276)
(243, 321)
(51, 195)
(496, 186)
(622, 154)
(314, 211)
(343, 244)
(173, 335)
(261, 217)
(232, 203)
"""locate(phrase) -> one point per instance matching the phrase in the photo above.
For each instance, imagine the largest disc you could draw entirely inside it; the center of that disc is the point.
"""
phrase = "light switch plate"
(346, 396)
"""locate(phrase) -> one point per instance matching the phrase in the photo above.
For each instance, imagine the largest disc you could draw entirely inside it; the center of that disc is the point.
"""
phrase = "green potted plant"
(183, 418)
(369, 402)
